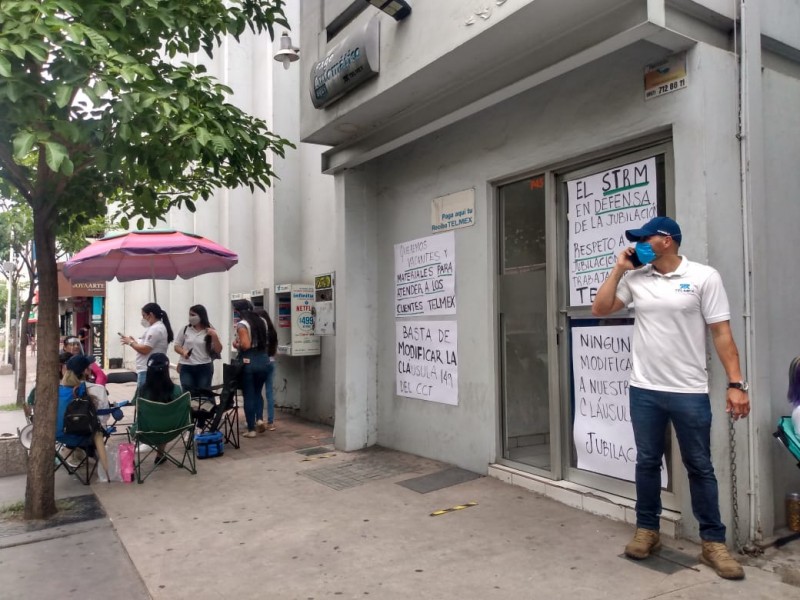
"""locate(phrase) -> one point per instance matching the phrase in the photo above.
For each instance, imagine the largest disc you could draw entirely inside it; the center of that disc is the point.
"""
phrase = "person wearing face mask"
(675, 301)
(196, 344)
(156, 338)
(252, 342)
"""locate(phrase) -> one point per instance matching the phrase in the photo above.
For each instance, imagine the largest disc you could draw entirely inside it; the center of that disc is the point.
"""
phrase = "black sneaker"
(160, 460)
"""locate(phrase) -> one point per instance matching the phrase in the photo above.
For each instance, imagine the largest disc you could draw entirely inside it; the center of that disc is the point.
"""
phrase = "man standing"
(675, 299)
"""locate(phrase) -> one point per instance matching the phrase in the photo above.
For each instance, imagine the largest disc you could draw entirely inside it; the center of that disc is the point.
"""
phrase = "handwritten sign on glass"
(601, 207)
(603, 434)
(425, 276)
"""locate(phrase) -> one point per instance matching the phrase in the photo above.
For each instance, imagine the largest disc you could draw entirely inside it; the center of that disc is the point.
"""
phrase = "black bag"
(80, 416)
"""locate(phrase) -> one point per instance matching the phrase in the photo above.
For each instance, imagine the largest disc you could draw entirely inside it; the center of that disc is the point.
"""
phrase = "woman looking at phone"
(196, 344)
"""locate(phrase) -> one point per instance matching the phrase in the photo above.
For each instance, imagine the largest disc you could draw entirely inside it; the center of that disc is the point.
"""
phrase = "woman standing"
(272, 348)
(251, 341)
(196, 344)
(156, 338)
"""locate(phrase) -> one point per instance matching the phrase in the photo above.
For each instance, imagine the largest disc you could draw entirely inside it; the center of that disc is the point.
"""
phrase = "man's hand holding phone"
(627, 259)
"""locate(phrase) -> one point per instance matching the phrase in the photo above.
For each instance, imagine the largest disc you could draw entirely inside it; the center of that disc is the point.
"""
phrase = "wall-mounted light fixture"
(288, 53)
(399, 9)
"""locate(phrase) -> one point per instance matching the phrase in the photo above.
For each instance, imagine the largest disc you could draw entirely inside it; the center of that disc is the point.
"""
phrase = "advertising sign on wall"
(427, 360)
(346, 65)
(601, 364)
(425, 280)
(601, 207)
(453, 211)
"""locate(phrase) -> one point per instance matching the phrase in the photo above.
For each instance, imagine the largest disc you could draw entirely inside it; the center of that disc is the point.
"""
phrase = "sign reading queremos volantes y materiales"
(601, 207)
(602, 430)
(427, 360)
(425, 274)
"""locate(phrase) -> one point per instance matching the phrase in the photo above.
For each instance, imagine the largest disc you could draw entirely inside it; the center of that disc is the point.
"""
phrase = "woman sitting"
(158, 387)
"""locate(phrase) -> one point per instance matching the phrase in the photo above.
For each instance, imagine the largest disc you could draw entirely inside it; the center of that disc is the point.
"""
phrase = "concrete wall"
(781, 213)
(591, 109)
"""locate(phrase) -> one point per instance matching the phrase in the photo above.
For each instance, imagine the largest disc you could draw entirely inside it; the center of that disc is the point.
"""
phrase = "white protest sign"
(425, 281)
(603, 434)
(427, 360)
(601, 207)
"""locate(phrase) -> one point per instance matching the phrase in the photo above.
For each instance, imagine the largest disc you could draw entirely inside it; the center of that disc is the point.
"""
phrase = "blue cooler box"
(209, 445)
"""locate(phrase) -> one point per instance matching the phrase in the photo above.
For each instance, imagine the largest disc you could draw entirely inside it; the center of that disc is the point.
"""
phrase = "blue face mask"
(644, 252)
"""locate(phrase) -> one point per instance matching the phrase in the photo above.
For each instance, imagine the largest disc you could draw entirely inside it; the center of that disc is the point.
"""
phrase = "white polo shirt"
(154, 336)
(669, 331)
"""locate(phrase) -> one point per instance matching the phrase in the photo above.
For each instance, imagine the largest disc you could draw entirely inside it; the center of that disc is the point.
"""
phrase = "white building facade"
(282, 236)
(486, 157)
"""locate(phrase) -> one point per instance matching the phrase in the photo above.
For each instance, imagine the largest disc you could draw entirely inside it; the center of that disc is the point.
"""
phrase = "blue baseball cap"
(655, 226)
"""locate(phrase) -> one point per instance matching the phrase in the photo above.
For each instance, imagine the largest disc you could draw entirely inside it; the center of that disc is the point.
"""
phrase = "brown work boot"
(716, 556)
(643, 544)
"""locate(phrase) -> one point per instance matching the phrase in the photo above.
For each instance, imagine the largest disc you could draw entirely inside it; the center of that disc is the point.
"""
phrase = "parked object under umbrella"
(156, 254)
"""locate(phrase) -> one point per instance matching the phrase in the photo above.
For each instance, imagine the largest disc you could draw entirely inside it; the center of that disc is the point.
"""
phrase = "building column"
(356, 310)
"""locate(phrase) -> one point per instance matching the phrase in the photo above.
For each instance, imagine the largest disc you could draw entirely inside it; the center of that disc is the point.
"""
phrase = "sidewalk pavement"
(288, 517)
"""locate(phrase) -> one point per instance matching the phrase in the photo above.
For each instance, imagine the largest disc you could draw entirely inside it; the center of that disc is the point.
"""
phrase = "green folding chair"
(788, 437)
(163, 424)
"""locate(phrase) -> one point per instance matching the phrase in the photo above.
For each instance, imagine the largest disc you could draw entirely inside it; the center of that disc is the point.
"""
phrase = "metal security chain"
(734, 488)
(750, 549)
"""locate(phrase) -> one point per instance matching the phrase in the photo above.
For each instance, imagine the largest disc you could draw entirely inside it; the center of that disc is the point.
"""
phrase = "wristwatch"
(739, 385)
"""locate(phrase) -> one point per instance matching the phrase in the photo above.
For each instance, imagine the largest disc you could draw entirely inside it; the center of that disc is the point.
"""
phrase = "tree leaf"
(5, 66)
(63, 95)
(54, 154)
(67, 168)
(23, 144)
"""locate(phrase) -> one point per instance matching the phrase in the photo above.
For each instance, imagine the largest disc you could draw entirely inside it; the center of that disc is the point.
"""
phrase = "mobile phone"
(119, 334)
(635, 260)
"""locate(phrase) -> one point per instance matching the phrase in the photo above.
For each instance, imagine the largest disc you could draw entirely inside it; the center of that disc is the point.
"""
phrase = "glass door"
(523, 323)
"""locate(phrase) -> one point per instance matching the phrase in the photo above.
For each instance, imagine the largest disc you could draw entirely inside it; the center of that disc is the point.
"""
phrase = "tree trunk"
(22, 368)
(40, 502)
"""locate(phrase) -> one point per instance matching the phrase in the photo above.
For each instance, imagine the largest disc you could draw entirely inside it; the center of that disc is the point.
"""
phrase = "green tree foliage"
(100, 105)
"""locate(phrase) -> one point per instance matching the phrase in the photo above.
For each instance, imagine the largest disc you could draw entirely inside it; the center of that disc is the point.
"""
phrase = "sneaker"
(270, 426)
(249, 434)
(716, 556)
(260, 426)
(643, 544)
(160, 460)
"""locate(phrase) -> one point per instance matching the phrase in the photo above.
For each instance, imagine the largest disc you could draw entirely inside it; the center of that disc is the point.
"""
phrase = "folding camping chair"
(167, 424)
(78, 454)
(226, 414)
(788, 437)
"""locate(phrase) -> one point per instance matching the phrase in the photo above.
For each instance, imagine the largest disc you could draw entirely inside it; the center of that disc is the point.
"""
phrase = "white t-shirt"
(669, 331)
(193, 340)
(154, 336)
(100, 397)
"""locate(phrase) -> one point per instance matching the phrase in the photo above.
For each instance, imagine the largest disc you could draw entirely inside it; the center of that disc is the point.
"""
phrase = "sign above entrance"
(453, 211)
(601, 207)
(347, 65)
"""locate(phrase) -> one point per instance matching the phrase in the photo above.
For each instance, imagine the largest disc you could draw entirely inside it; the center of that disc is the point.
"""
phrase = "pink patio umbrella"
(156, 254)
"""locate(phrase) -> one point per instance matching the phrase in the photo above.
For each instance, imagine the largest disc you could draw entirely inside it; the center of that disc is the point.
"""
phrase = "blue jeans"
(140, 377)
(270, 392)
(691, 417)
(196, 377)
(254, 375)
